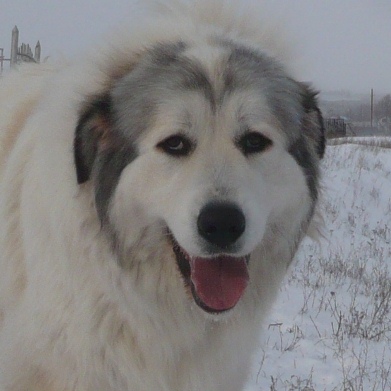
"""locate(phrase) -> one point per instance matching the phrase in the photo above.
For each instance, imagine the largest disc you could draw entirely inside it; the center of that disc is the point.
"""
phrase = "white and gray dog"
(152, 198)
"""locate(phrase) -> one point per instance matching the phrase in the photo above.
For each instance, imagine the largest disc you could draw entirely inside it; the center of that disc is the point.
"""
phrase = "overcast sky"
(341, 44)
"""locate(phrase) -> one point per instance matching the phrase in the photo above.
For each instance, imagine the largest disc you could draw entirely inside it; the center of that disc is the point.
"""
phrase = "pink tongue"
(219, 282)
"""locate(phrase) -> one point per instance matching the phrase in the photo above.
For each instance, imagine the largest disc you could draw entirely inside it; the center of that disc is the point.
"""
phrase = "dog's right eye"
(177, 145)
(254, 142)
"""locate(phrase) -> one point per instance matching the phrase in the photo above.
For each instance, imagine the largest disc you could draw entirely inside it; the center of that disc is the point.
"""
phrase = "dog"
(153, 195)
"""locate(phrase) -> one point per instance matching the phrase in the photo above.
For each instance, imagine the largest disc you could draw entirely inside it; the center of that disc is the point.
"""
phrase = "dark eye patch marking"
(293, 104)
(109, 127)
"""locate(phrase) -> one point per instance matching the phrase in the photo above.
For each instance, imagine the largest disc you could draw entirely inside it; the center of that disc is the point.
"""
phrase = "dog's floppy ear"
(312, 123)
(92, 133)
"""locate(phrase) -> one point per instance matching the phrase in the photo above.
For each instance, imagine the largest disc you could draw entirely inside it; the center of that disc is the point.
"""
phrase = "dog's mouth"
(217, 283)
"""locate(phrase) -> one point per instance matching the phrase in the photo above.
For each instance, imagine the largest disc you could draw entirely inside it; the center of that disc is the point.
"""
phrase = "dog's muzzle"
(219, 281)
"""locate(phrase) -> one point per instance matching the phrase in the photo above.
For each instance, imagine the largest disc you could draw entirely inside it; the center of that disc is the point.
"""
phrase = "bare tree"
(383, 107)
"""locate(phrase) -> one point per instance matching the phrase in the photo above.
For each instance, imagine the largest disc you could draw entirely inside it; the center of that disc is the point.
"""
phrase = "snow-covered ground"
(331, 327)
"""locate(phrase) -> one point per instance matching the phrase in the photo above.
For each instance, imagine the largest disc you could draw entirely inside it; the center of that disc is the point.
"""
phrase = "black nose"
(221, 224)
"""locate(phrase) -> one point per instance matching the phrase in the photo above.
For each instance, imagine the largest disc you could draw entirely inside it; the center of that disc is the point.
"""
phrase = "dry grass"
(381, 142)
(343, 292)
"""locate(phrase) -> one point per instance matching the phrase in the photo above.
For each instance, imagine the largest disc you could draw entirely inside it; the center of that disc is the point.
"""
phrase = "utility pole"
(371, 107)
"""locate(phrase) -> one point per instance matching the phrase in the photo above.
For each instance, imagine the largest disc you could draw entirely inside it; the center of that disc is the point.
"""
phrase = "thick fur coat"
(111, 169)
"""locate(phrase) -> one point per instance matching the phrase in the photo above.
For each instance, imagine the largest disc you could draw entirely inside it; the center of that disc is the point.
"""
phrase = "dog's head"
(214, 146)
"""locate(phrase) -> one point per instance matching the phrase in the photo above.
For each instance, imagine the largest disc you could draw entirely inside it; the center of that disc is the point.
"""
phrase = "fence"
(22, 53)
(335, 127)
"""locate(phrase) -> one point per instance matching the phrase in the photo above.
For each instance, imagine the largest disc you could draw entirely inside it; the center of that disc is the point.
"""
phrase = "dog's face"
(209, 146)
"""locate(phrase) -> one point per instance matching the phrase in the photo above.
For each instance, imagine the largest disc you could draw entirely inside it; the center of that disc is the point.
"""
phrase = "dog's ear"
(92, 134)
(312, 123)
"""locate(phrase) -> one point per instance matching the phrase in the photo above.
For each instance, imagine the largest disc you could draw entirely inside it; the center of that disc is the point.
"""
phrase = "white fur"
(70, 317)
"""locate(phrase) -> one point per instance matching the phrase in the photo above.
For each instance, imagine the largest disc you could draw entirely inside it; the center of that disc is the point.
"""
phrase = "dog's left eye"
(177, 145)
(254, 142)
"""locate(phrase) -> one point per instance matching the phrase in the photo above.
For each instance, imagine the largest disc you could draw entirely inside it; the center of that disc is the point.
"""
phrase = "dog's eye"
(177, 145)
(254, 142)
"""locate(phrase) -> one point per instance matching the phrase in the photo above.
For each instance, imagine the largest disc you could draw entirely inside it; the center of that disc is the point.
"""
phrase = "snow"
(331, 326)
